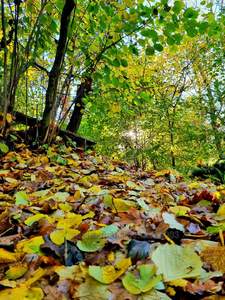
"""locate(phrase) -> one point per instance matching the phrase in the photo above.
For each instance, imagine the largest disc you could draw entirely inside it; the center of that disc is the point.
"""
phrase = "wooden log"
(65, 134)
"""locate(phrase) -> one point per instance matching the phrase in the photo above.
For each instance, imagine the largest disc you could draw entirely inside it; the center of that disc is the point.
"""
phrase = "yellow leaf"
(11, 180)
(71, 272)
(9, 118)
(111, 256)
(221, 210)
(35, 276)
(179, 210)
(71, 220)
(77, 195)
(65, 207)
(85, 181)
(30, 246)
(109, 274)
(7, 257)
(115, 108)
(178, 282)
(171, 291)
(16, 271)
(59, 236)
(8, 283)
(120, 205)
(29, 221)
(89, 215)
(96, 189)
(22, 293)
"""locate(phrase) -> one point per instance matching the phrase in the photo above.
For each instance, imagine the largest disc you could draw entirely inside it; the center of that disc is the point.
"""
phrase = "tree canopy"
(142, 79)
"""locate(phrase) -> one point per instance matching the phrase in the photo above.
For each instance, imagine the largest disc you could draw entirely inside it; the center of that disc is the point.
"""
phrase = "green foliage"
(157, 76)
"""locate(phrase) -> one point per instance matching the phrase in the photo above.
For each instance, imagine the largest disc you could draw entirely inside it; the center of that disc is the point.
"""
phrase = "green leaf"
(158, 47)
(178, 6)
(109, 230)
(149, 51)
(150, 33)
(176, 262)
(21, 198)
(115, 62)
(4, 148)
(145, 282)
(59, 160)
(109, 274)
(124, 62)
(203, 26)
(91, 241)
(216, 229)
(190, 13)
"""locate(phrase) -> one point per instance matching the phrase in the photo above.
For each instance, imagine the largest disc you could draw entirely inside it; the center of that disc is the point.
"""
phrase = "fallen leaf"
(7, 257)
(30, 246)
(60, 235)
(92, 289)
(21, 198)
(172, 222)
(16, 271)
(109, 274)
(144, 282)
(138, 249)
(22, 293)
(176, 262)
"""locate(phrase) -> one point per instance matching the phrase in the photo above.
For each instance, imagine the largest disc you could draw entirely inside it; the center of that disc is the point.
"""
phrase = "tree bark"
(3, 98)
(54, 74)
(77, 114)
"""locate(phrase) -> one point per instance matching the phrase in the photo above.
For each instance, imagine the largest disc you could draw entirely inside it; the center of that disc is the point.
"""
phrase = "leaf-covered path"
(78, 226)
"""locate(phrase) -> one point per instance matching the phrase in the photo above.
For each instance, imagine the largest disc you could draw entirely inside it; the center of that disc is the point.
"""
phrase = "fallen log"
(34, 123)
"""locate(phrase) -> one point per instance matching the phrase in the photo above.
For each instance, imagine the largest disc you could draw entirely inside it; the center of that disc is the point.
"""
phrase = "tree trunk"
(3, 97)
(54, 74)
(173, 159)
(77, 114)
(213, 119)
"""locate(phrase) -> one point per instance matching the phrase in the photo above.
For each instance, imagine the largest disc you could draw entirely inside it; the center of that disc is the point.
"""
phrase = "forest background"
(142, 79)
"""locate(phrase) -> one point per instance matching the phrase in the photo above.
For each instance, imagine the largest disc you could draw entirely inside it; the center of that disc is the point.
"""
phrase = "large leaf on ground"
(176, 262)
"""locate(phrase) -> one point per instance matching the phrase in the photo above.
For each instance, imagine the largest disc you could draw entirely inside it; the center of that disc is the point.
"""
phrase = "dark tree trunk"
(77, 114)
(54, 74)
(173, 159)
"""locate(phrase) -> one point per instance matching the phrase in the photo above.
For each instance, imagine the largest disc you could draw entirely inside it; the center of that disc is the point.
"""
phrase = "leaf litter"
(74, 225)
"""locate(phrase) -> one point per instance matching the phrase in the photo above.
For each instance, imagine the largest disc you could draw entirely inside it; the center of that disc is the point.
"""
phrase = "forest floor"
(76, 225)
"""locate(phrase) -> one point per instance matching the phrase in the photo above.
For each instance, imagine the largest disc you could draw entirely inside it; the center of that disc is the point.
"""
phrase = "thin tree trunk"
(13, 82)
(213, 119)
(3, 98)
(77, 114)
(173, 159)
(54, 74)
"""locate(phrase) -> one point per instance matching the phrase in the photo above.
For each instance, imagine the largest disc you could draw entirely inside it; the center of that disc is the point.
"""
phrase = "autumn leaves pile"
(74, 225)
